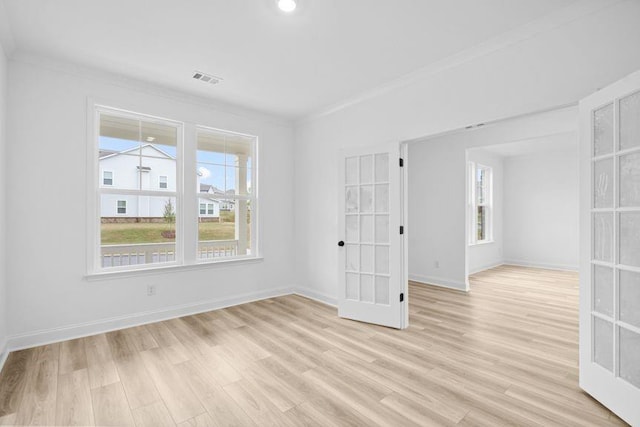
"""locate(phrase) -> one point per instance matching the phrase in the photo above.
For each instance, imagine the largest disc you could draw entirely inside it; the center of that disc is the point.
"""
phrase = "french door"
(610, 247)
(372, 288)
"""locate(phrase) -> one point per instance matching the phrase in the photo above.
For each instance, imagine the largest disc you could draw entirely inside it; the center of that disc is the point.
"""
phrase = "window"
(225, 173)
(122, 207)
(480, 203)
(140, 221)
(107, 178)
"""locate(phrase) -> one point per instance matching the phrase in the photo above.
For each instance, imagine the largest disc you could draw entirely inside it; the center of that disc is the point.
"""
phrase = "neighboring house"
(225, 204)
(157, 171)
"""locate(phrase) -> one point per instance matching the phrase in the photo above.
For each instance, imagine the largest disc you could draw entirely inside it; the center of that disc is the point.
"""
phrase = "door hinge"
(401, 162)
(401, 229)
(401, 297)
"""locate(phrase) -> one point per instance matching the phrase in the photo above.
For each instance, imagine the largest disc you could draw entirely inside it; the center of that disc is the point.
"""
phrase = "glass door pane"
(615, 254)
(366, 211)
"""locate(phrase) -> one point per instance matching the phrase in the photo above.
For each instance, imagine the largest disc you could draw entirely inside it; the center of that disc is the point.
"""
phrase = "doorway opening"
(500, 193)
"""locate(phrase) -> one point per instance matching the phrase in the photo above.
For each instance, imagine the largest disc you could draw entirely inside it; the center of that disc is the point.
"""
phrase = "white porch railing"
(149, 253)
(208, 249)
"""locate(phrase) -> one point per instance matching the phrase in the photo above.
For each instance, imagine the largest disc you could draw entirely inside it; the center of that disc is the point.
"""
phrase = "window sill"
(484, 242)
(150, 271)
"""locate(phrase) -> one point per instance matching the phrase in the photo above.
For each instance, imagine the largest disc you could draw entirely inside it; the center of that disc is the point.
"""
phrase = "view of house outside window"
(141, 211)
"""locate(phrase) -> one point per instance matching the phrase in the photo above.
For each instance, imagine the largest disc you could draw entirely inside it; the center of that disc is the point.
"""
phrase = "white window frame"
(201, 210)
(103, 178)
(210, 209)
(252, 198)
(187, 215)
(165, 182)
(118, 207)
(94, 261)
(473, 204)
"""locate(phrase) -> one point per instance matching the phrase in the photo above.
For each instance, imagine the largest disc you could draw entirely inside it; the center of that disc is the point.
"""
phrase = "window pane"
(629, 351)
(138, 152)
(351, 199)
(603, 343)
(603, 290)
(351, 170)
(352, 262)
(629, 170)
(480, 186)
(629, 297)
(351, 226)
(603, 183)
(366, 198)
(224, 161)
(366, 169)
(107, 178)
(224, 170)
(382, 167)
(366, 229)
(136, 229)
(225, 229)
(603, 130)
(481, 218)
(366, 258)
(629, 235)
(629, 123)
(382, 290)
(366, 288)
(603, 237)
(382, 198)
(382, 229)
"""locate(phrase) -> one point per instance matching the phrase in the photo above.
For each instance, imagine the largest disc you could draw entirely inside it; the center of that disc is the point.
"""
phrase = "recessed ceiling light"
(287, 5)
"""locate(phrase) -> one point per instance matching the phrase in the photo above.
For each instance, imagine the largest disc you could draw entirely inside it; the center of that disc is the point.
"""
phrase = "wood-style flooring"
(504, 354)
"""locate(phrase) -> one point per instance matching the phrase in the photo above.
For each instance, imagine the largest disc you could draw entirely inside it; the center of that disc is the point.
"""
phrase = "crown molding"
(131, 83)
(575, 11)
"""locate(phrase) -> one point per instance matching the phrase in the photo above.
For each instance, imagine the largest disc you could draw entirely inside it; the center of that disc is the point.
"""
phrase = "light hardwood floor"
(505, 354)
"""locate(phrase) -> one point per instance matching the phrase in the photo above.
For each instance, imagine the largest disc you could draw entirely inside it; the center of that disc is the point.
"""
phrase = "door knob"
(341, 243)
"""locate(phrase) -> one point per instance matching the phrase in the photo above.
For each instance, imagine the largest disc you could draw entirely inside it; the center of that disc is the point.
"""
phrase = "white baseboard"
(439, 281)
(4, 353)
(48, 336)
(485, 267)
(317, 296)
(521, 263)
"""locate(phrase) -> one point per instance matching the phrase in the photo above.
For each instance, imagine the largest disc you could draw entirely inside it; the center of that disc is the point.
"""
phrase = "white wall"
(49, 297)
(437, 206)
(3, 166)
(437, 196)
(541, 210)
(487, 255)
(554, 67)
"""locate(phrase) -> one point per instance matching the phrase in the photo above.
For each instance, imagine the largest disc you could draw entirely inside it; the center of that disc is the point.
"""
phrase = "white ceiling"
(289, 65)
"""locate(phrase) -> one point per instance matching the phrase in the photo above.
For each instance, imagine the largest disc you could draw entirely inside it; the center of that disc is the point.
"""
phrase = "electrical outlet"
(151, 290)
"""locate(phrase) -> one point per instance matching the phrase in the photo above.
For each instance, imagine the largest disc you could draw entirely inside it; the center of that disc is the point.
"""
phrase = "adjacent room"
(493, 194)
(303, 212)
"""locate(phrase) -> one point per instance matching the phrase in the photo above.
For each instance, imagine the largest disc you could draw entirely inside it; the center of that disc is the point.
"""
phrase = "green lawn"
(118, 234)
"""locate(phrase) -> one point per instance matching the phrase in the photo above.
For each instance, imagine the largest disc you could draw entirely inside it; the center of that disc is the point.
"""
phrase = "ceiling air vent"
(207, 78)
